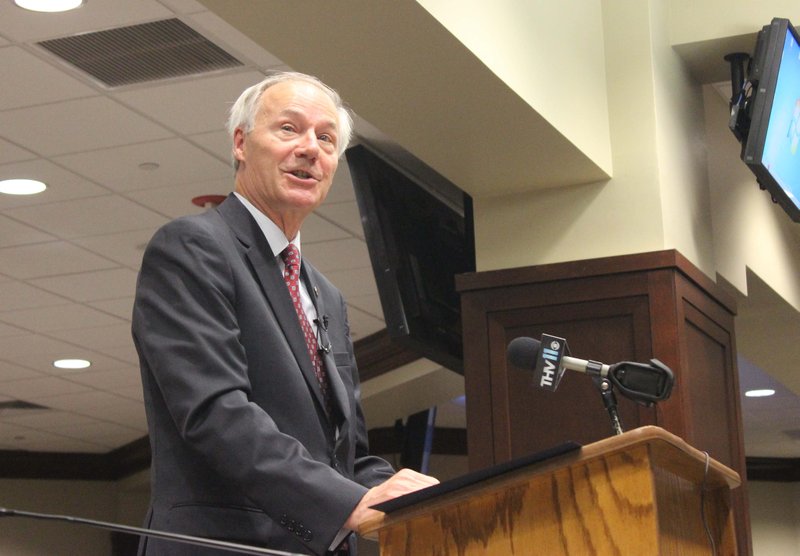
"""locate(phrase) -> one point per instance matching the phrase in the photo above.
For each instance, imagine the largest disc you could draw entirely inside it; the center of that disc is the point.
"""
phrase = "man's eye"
(327, 138)
(287, 127)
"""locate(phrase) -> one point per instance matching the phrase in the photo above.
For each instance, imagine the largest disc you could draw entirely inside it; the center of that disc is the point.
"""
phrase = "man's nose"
(308, 145)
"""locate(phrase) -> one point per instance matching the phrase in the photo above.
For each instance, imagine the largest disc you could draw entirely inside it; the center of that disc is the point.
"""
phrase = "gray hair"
(243, 112)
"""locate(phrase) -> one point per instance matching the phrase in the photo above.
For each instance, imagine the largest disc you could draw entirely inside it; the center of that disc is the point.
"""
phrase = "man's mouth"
(302, 174)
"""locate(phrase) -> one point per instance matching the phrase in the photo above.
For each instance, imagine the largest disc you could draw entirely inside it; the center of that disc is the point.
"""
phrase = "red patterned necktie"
(291, 257)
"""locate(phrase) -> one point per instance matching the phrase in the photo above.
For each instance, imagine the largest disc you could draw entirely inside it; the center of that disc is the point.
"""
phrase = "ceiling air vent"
(142, 53)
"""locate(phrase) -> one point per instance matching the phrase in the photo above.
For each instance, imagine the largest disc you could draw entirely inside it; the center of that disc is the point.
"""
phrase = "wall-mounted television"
(419, 232)
(770, 124)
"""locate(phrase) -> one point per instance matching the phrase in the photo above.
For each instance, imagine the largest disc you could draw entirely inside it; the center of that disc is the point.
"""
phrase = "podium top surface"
(666, 450)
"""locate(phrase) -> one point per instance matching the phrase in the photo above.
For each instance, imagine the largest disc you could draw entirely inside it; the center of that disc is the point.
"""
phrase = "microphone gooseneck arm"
(177, 537)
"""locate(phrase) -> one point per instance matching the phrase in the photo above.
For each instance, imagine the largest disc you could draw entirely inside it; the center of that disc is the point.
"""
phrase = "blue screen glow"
(782, 143)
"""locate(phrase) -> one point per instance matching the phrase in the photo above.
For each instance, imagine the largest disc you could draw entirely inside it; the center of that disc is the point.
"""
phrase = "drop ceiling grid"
(69, 257)
(52, 267)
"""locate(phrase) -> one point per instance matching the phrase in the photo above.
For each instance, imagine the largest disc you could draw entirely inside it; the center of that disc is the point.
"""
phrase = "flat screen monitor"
(772, 147)
(419, 232)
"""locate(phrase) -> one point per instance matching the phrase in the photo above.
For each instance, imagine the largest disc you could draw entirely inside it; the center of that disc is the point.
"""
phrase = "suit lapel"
(267, 271)
(339, 395)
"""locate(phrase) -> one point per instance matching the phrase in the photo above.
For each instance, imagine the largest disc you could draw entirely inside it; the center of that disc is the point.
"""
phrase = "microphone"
(323, 341)
(643, 383)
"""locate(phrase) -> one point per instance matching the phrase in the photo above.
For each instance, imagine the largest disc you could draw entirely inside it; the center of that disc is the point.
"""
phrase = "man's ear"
(238, 144)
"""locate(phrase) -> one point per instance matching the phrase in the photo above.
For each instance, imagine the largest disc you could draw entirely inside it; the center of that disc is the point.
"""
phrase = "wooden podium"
(641, 493)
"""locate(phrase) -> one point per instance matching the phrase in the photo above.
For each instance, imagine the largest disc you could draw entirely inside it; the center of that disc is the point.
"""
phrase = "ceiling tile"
(25, 25)
(354, 282)
(329, 256)
(131, 392)
(25, 348)
(121, 307)
(370, 304)
(362, 324)
(58, 317)
(87, 403)
(124, 411)
(40, 388)
(16, 233)
(19, 295)
(46, 419)
(110, 339)
(9, 152)
(176, 200)
(316, 229)
(61, 184)
(49, 259)
(77, 125)
(233, 41)
(89, 286)
(35, 81)
(8, 330)
(193, 106)
(89, 217)
(342, 188)
(345, 215)
(39, 441)
(179, 162)
(109, 380)
(14, 371)
(101, 432)
(125, 248)
(217, 143)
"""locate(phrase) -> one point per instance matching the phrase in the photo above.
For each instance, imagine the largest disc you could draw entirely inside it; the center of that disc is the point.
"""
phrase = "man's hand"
(402, 482)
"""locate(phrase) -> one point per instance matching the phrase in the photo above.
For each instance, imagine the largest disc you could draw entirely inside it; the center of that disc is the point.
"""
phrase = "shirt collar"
(274, 235)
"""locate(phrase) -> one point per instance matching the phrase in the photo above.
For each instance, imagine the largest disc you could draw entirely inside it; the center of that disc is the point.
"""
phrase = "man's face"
(288, 159)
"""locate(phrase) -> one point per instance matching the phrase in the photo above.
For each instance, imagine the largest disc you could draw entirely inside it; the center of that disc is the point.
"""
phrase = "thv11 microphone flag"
(549, 371)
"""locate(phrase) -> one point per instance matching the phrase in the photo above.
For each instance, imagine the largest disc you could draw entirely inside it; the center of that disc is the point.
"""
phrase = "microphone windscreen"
(522, 352)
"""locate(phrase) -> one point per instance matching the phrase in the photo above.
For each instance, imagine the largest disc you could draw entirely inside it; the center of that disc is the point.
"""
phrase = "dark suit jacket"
(242, 447)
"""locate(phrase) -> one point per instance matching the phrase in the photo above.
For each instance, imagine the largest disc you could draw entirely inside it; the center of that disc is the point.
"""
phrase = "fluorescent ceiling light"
(760, 393)
(71, 363)
(49, 5)
(21, 187)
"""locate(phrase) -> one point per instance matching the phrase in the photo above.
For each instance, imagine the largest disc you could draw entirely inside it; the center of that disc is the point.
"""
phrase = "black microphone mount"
(641, 382)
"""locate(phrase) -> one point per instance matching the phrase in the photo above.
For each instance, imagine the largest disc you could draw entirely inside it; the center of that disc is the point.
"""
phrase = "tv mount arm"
(739, 122)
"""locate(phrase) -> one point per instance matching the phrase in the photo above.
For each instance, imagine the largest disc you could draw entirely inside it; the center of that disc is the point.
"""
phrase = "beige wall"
(675, 182)
(775, 518)
(121, 501)
(551, 55)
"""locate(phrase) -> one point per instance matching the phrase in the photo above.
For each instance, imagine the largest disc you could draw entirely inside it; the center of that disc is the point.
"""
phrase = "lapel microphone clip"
(323, 340)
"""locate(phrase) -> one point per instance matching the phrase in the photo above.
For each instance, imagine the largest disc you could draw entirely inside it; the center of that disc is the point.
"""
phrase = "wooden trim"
(616, 265)
(377, 354)
(111, 466)
(446, 441)
(777, 470)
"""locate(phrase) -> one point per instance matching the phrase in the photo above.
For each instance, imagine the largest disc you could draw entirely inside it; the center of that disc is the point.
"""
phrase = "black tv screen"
(773, 140)
(419, 232)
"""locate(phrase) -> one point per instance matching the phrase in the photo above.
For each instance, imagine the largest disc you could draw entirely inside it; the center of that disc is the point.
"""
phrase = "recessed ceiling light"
(21, 187)
(763, 393)
(71, 363)
(49, 5)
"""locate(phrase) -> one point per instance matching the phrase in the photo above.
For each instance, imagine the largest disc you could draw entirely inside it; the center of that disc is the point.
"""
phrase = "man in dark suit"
(254, 414)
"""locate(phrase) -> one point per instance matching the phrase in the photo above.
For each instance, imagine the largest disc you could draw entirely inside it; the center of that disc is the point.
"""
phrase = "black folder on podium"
(474, 477)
